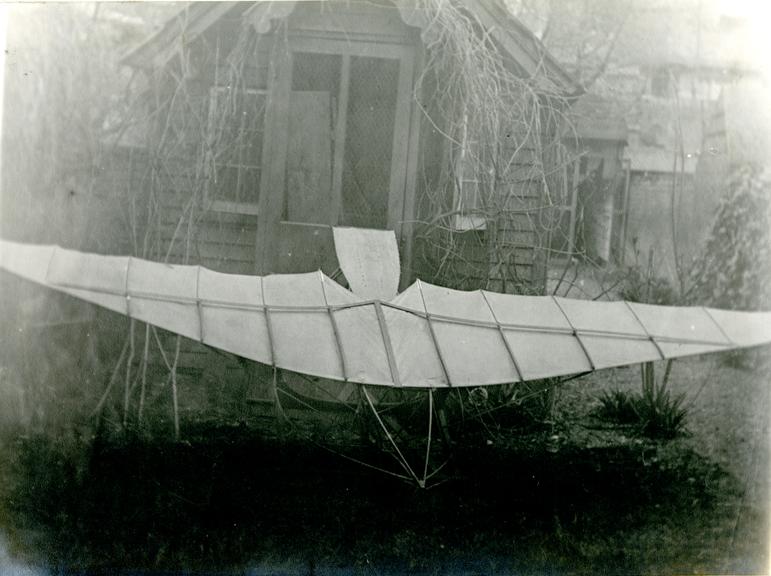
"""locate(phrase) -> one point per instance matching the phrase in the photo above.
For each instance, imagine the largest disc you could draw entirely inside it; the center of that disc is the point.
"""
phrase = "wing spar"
(425, 337)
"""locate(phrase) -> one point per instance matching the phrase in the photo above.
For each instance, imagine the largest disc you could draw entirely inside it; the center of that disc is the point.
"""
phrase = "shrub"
(617, 406)
(655, 412)
(660, 415)
(735, 264)
(642, 285)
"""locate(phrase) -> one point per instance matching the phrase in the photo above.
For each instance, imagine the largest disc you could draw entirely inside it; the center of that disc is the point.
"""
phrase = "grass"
(230, 500)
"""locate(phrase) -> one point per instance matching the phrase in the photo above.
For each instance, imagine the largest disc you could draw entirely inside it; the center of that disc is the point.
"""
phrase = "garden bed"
(574, 495)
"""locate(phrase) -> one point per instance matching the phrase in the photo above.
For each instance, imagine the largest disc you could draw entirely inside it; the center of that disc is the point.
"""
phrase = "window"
(370, 117)
(343, 117)
(467, 194)
(236, 130)
(313, 111)
(236, 123)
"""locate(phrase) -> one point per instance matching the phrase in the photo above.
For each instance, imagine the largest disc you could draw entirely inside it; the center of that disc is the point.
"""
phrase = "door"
(347, 132)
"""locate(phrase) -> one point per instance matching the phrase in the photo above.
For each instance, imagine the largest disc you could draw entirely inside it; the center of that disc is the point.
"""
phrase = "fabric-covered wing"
(427, 336)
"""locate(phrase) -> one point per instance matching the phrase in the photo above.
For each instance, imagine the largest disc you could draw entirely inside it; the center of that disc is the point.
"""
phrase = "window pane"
(256, 76)
(312, 114)
(316, 72)
(369, 141)
(227, 184)
(251, 150)
(253, 111)
(238, 118)
(249, 185)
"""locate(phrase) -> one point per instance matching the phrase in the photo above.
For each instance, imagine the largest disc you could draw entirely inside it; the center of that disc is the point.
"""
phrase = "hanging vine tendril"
(502, 170)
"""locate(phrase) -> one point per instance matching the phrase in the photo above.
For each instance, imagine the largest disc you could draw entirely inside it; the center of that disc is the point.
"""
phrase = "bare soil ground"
(571, 496)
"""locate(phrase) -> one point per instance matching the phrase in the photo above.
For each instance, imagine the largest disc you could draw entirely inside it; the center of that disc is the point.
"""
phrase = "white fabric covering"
(427, 336)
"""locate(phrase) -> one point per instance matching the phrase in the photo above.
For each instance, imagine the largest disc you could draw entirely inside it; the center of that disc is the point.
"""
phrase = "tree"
(735, 265)
(582, 34)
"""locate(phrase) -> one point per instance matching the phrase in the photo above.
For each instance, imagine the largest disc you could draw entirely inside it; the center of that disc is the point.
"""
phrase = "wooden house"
(592, 210)
(299, 116)
(256, 127)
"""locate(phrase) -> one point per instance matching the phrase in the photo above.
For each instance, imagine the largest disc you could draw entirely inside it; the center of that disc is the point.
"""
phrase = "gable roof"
(192, 21)
(598, 118)
(519, 44)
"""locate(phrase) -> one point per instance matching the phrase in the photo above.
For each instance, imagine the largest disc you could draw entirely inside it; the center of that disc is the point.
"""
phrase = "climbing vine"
(491, 200)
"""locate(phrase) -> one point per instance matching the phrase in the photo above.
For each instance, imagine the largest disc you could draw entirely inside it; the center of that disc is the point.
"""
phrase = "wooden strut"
(525, 327)
(199, 304)
(129, 362)
(357, 461)
(111, 382)
(143, 389)
(433, 336)
(332, 397)
(279, 408)
(297, 399)
(719, 327)
(400, 457)
(268, 325)
(160, 348)
(650, 336)
(50, 261)
(130, 342)
(428, 439)
(517, 369)
(172, 368)
(377, 303)
(576, 334)
(335, 329)
(126, 294)
(441, 422)
(173, 379)
(392, 365)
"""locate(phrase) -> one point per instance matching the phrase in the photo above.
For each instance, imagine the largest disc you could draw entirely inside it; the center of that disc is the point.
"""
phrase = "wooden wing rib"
(426, 337)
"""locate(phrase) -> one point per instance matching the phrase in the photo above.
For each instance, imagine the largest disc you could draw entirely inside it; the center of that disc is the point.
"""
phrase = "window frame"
(465, 220)
(231, 206)
(405, 55)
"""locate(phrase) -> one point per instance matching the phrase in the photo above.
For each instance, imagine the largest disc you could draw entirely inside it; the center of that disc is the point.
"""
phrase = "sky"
(758, 15)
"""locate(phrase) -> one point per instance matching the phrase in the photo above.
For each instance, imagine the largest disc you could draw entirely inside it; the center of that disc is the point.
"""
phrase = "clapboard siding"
(219, 248)
(213, 252)
(222, 241)
(519, 237)
(234, 225)
(510, 267)
(521, 194)
(517, 263)
(227, 242)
